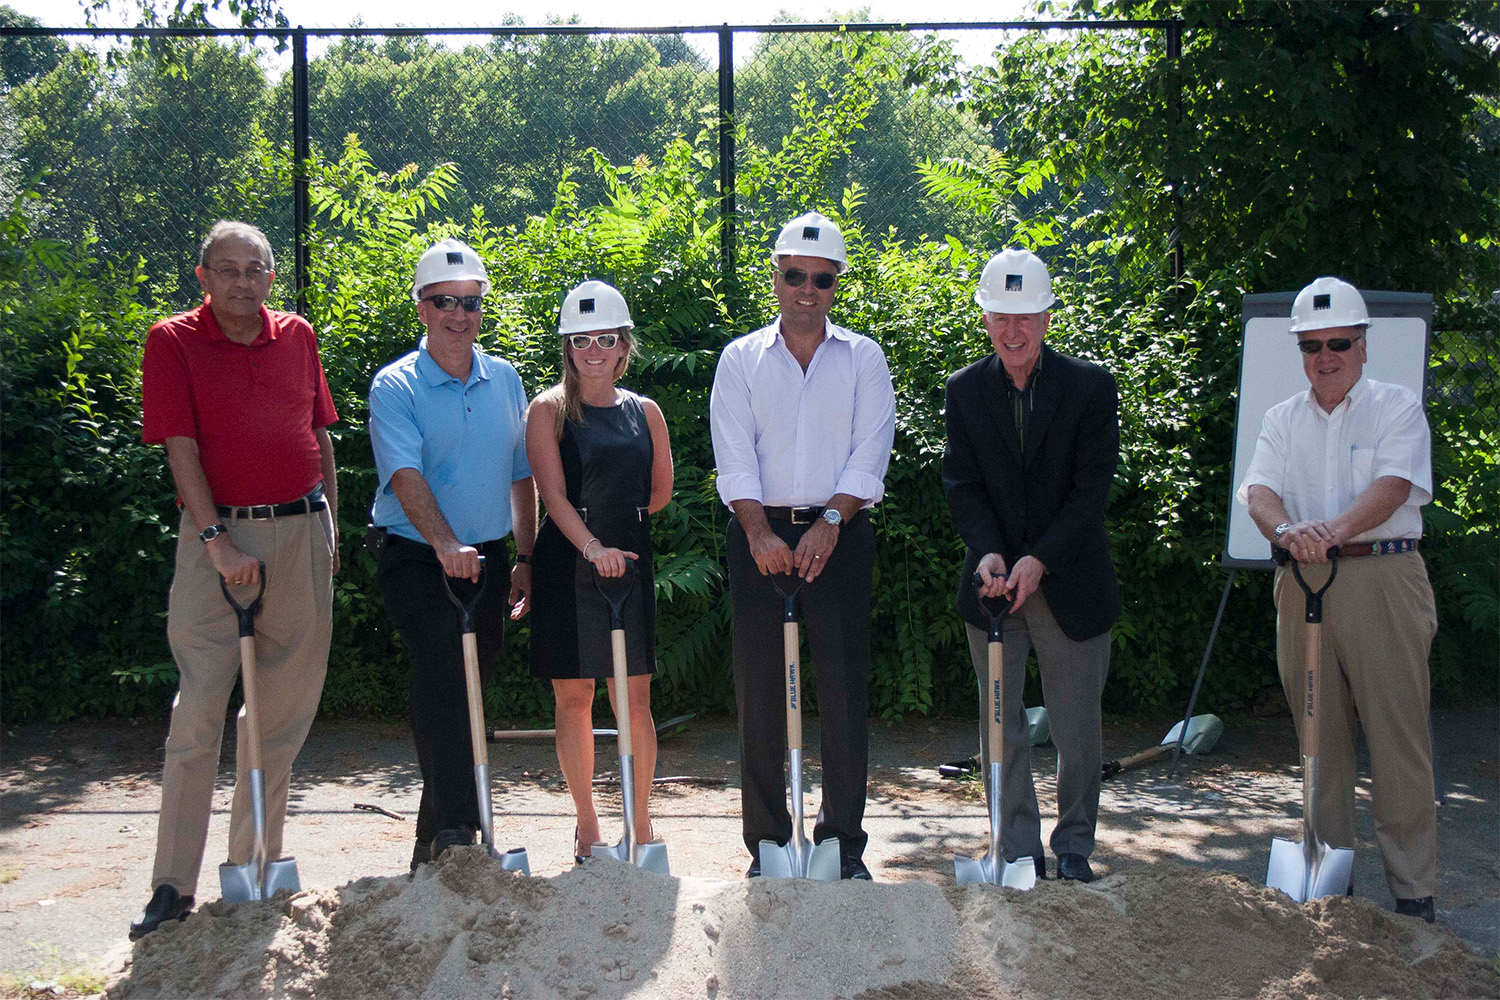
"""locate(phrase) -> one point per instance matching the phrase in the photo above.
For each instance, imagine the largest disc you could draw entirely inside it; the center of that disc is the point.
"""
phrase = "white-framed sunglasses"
(583, 341)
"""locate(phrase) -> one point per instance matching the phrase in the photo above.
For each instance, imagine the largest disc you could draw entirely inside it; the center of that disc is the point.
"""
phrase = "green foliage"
(1091, 147)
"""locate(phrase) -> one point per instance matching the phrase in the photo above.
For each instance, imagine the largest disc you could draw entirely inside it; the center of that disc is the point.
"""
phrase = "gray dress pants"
(1073, 676)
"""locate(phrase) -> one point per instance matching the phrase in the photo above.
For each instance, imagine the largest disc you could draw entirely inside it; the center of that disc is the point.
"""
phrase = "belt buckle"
(799, 513)
(269, 515)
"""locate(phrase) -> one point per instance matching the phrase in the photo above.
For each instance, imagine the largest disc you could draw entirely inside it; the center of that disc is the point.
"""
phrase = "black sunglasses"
(795, 277)
(1337, 345)
(448, 303)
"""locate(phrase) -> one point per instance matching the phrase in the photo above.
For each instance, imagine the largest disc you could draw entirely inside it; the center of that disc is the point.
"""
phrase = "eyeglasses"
(252, 273)
(448, 303)
(796, 277)
(583, 341)
(1337, 345)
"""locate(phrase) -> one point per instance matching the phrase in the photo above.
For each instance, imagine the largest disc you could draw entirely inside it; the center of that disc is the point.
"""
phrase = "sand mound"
(464, 928)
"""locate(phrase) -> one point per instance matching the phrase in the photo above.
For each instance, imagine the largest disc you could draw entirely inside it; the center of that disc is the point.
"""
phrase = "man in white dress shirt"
(1349, 464)
(803, 417)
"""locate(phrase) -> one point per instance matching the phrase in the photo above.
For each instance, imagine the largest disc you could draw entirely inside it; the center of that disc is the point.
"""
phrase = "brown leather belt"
(1389, 547)
(797, 515)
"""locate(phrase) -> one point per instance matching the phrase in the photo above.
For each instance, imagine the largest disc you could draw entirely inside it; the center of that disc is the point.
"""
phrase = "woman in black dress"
(603, 465)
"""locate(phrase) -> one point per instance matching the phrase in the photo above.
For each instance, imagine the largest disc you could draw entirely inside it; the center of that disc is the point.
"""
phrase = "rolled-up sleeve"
(732, 426)
(394, 436)
(873, 427)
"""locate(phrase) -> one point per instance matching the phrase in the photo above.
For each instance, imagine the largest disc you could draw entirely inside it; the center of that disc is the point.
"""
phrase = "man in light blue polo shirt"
(447, 425)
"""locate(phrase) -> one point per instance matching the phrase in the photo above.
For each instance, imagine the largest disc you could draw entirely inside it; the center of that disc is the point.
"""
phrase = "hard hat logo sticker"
(585, 305)
(454, 257)
(1322, 301)
(810, 233)
(1013, 282)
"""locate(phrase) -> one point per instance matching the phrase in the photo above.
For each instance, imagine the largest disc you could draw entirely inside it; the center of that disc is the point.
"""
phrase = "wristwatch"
(523, 558)
(211, 532)
(833, 517)
(1282, 529)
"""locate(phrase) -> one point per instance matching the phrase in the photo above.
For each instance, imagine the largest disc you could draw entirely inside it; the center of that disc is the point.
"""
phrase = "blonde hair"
(565, 397)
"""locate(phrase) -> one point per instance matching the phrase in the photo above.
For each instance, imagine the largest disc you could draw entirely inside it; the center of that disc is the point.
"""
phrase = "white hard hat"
(449, 260)
(1015, 282)
(813, 235)
(1328, 303)
(593, 305)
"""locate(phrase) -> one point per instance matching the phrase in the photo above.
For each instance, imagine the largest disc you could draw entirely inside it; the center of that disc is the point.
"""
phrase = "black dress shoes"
(1041, 867)
(959, 768)
(166, 904)
(1421, 908)
(754, 870)
(421, 853)
(457, 836)
(1074, 868)
(853, 868)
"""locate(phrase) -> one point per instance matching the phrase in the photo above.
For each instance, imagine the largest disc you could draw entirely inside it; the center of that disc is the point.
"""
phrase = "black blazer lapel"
(997, 401)
(1045, 397)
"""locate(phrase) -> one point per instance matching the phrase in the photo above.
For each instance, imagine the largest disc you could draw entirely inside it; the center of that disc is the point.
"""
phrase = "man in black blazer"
(1033, 442)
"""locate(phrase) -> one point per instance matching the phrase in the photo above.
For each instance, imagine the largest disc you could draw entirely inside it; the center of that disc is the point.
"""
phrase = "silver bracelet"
(586, 545)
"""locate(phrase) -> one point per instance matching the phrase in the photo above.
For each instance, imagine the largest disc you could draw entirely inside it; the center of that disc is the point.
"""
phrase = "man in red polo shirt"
(237, 394)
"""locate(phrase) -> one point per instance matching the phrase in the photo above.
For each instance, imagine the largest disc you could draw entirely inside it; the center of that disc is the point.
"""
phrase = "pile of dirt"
(464, 928)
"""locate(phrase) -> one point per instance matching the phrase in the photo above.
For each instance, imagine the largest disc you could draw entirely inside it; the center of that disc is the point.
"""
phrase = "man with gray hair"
(236, 393)
(1348, 464)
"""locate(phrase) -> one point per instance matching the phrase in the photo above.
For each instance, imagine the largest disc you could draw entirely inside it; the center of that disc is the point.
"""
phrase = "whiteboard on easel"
(1271, 371)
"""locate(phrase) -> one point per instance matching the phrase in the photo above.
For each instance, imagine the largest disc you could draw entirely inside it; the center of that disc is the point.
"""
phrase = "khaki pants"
(1378, 622)
(292, 634)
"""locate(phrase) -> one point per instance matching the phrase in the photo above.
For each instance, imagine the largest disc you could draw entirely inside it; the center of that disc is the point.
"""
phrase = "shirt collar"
(433, 374)
(215, 331)
(830, 330)
(1351, 399)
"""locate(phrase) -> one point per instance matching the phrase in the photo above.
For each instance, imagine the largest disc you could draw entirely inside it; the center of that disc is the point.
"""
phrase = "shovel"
(1203, 732)
(513, 860)
(798, 858)
(257, 878)
(651, 855)
(993, 868)
(1310, 869)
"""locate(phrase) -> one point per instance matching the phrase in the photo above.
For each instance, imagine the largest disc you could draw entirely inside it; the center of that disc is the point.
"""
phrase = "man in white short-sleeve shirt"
(803, 417)
(1348, 464)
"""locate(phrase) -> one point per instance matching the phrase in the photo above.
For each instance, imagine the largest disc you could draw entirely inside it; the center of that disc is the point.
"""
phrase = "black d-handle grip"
(1314, 597)
(246, 613)
(465, 608)
(998, 608)
(788, 592)
(616, 591)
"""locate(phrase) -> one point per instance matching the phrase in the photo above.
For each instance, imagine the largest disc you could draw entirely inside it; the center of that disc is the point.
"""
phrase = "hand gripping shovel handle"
(246, 614)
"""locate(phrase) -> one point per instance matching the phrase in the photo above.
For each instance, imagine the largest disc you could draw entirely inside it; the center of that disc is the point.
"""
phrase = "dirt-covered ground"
(77, 828)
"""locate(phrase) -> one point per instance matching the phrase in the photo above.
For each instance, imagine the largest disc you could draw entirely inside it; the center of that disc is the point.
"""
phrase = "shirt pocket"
(1361, 469)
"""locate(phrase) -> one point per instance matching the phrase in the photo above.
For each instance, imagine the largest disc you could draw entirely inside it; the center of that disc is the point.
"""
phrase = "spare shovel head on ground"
(1203, 731)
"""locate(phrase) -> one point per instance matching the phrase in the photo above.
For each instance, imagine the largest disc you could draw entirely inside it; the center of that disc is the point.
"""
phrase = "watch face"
(833, 517)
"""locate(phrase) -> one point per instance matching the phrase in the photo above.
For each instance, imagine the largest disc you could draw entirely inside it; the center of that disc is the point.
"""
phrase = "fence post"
(302, 209)
(1174, 57)
(727, 206)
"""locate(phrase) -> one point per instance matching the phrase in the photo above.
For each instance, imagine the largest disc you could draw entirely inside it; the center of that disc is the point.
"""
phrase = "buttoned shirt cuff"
(861, 484)
(738, 486)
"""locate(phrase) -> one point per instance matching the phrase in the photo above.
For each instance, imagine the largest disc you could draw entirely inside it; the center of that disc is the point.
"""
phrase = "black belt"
(797, 515)
(640, 512)
(265, 512)
(391, 538)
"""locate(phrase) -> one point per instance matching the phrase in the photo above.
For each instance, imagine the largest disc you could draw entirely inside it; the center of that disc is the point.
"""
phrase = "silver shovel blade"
(1015, 874)
(513, 860)
(240, 884)
(1301, 877)
(1203, 731)
(651, 856)
(819, 862)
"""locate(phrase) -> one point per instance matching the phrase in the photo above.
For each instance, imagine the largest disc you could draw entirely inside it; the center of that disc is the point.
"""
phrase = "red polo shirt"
(251, 408)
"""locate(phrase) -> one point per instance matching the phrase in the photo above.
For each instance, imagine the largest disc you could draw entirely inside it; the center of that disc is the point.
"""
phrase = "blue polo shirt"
(467, 439)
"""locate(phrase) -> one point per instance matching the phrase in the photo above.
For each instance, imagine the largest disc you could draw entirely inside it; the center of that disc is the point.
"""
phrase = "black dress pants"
(411, 581)
(834, 611)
